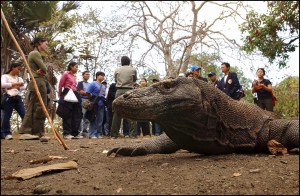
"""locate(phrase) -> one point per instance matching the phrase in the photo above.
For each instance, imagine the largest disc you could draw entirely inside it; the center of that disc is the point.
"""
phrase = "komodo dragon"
(200, 118)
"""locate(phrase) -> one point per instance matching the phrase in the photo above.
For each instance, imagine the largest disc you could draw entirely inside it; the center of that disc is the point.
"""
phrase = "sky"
(274, 73)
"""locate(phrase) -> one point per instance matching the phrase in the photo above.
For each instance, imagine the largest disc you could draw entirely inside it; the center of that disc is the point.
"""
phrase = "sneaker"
(100, 137)
(93, 137)
(113, 138)
(68, 137)
(78, 137)
(8, 137)
(27, 136)
(126, 136)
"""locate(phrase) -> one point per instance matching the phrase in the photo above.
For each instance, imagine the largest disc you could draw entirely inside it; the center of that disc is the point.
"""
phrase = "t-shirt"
(67, 80)
(262, 93)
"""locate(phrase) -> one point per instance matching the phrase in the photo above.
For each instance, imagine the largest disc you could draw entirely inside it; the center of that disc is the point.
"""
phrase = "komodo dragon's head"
(165, 100)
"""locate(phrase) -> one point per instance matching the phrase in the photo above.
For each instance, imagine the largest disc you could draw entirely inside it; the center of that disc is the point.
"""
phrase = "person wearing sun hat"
(197, 73)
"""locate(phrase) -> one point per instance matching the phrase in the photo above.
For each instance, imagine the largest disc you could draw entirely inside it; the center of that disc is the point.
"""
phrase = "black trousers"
(72, 118)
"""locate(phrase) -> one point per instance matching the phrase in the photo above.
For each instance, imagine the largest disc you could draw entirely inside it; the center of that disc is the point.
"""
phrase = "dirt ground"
(174, 174)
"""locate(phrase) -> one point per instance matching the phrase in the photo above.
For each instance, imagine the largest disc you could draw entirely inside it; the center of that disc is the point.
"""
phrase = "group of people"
(78, 121)
(231, 86)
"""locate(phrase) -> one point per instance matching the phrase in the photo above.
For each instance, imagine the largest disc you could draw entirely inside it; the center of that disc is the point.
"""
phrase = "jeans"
(72, 120)
(145, 126)
(10, 103)
(96, 126)
(106, 120)
(157, 129)
(125, 127)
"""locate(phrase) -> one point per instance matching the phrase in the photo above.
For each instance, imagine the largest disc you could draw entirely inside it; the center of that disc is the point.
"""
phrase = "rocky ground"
(177, 174)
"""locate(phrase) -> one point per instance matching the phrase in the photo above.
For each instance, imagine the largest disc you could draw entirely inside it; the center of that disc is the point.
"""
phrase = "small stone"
(41, 189)
(254, 170)
(96, 188)
(59, 191)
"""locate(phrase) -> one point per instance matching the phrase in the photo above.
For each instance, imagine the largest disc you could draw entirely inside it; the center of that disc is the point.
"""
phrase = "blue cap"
(195, 67)
(212, 73)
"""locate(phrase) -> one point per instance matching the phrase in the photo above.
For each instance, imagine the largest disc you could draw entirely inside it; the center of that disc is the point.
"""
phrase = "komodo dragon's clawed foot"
(127, 151)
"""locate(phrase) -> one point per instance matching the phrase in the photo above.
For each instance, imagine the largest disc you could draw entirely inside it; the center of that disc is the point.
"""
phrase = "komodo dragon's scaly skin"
(200, 118)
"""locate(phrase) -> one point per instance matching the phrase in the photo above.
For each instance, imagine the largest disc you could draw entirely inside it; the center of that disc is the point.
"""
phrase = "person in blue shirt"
(96, 88)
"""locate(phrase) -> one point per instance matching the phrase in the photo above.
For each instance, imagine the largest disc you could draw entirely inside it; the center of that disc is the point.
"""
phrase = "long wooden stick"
(56, 134)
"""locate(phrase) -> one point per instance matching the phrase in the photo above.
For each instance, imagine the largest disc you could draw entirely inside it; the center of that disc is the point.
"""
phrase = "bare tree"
(175, 29)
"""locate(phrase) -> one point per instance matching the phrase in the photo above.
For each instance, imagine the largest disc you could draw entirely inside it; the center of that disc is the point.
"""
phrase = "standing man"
(125, 76)
(81, 88)
(197, 73)
(213, 78)
(229, 84)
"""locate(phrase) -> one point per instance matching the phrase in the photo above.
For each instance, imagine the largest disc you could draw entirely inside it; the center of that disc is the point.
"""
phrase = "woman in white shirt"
(12, 85)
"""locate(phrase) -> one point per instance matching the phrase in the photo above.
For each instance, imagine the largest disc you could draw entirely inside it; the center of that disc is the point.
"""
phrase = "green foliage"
(41, 19)
(273, 34)
(26, 15)
(287, 94)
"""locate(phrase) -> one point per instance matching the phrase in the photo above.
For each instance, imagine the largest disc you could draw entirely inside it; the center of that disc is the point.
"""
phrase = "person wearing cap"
(230, 84)
(34, 119)
(12, 85)
(125, 76)
(213, 78)
(197, 73)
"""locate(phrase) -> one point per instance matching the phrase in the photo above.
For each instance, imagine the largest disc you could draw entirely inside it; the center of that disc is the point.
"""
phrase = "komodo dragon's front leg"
(286, 132)
(158, 145)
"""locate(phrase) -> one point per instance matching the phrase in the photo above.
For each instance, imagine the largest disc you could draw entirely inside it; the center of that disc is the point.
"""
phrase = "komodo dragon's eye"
(167, 86)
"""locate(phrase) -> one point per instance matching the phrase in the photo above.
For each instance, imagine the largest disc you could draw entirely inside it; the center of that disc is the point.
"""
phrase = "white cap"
(181, 75)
